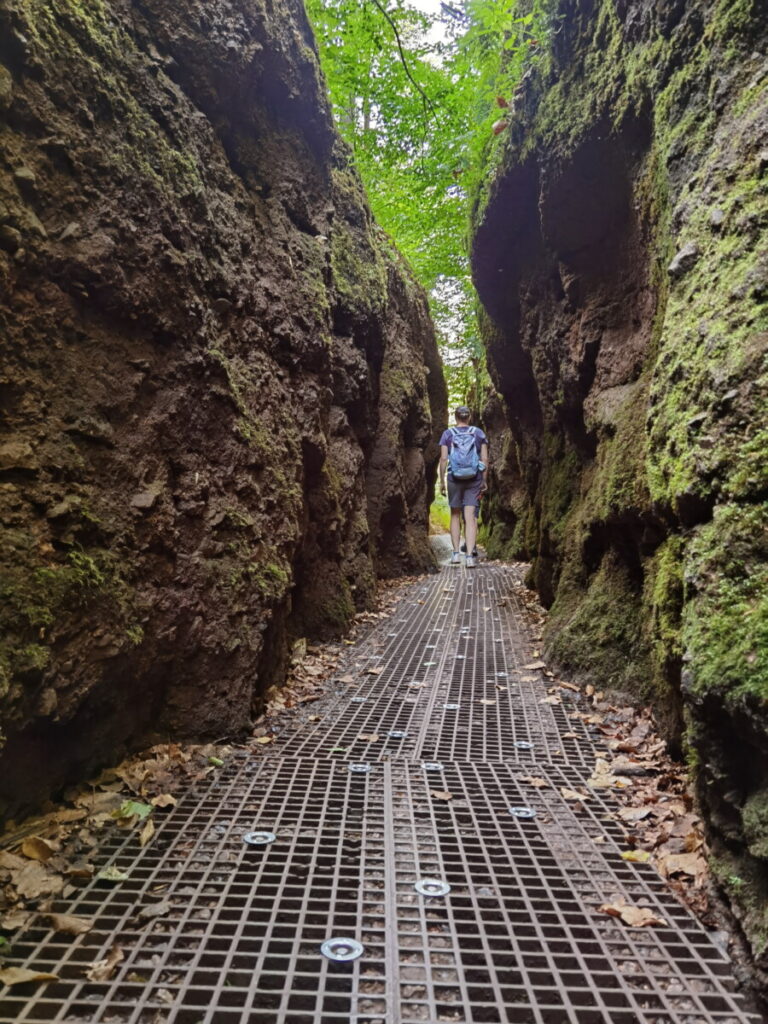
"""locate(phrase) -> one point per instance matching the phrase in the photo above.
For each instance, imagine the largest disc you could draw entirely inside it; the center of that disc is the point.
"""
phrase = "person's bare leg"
(470, 528)
(456, 528)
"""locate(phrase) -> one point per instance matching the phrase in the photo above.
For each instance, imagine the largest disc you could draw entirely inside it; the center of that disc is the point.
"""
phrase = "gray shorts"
(464, 492)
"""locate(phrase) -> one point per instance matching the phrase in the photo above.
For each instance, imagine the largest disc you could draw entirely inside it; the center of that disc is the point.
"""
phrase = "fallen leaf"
(636, 856)
(16, 918)
(589, 690)
(112, 874)
(572, 794)
(37, 848)
(22, 976)
(102, 970)
(368, 737)
(683, 864)
(163, 800)
(550, 700)
(440, 794)
(534, 780)
(535, 664)
(568, 686)
(635, 813)
(346, 679)
(315, 718)
(33, 881)
(570, 736)
(216, 762)
(598, 839)
(635, 917)
(69, 925)
(263, 740)
(486, 700)
(374, 671)
(132, 809)
(145, 836)
(154, 910)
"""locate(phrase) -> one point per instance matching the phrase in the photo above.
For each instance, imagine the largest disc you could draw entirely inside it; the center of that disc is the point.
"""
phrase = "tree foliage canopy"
(423, 117)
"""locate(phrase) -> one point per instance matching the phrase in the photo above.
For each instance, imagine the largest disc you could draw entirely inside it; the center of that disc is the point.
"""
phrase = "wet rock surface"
(218, 384)
(619, 255)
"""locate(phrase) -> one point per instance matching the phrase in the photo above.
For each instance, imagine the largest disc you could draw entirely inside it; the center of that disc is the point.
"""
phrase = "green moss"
(725, 623)
(596, 627)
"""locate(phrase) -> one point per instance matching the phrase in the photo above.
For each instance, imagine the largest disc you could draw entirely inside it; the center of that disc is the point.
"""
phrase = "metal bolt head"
(432, 766)
(432, 887)
(359, 767)
(522, 812)
(259, 838)
(342, 950)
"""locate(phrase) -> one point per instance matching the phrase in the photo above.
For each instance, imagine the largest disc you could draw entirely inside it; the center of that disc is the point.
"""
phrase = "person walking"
(464, 455)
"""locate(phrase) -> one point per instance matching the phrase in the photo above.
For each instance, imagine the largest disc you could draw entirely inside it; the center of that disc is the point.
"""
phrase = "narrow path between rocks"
(442, 760)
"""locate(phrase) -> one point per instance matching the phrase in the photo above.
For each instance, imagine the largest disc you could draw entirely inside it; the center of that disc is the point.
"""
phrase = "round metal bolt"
(432, 766)
(522, 812)
(259, 838)
(523, 745)
(342, 950)
(451, 707)
(432, 887)
(397, 734)
(360, 767)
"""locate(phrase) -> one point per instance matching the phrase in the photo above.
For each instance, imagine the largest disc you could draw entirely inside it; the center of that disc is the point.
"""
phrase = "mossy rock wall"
(620, 254)
(218, 383)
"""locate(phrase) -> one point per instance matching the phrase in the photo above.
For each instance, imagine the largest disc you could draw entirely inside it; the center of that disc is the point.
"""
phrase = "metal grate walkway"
(517, 939)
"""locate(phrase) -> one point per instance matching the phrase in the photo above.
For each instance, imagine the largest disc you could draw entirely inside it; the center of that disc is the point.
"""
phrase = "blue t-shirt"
(480, 438)
(447, 439)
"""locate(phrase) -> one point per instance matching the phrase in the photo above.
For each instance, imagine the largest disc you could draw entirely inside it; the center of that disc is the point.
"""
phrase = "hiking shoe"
(463, 548)
(470, 562)
(455, 558)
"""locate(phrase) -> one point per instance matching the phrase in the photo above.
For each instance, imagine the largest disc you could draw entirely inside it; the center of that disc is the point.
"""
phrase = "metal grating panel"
(518, 938)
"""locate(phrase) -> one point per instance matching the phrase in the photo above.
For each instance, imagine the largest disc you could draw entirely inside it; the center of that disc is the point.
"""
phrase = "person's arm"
(442, 467)
(484, 460)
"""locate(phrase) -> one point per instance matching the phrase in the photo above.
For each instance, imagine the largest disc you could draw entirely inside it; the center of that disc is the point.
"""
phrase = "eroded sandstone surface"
(620, 254)
(219, 381)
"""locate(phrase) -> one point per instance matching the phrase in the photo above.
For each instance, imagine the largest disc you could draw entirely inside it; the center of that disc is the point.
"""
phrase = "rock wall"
(620, 254)
(219, 382)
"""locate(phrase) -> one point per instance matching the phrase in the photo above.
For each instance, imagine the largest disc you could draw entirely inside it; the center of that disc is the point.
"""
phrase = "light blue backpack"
(463, 462)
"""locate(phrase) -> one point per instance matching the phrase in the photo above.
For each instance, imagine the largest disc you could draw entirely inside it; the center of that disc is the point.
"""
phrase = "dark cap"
(463, 412)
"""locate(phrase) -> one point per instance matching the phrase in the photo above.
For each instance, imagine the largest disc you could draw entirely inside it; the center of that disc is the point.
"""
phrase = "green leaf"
(216, 762)
(112, 874)
(132, 808)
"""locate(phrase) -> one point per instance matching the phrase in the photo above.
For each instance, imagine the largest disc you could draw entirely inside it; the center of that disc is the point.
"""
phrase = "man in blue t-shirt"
(463, 494)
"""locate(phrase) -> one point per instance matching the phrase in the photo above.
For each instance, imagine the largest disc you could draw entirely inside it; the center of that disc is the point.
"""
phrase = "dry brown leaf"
(374, 671)
(568, 686)
(486, 700)
(102, 970)
(33, 881)
(535, 664)
(315, 718)
(163, 800)
(683, 864)
(589, 690)
(534, 780)
(146, 834)
(572, 794)
(346, 679)
(69, 925)
(441, 794)
(635, 917)
(22, 976)
(37, 848)
(570, 736)
(16, 918)
(550, 700)
(368, 737)
(262, 740)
